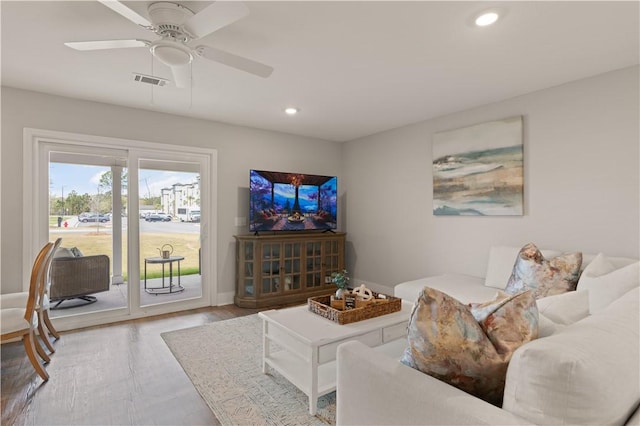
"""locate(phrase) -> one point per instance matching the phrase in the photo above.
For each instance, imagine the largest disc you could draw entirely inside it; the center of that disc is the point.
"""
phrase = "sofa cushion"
(587, 373)
(545, 277)
(565, 308)
(606, 282)
(500, 264)
(464, 288)
(469, 347)
(556, 312)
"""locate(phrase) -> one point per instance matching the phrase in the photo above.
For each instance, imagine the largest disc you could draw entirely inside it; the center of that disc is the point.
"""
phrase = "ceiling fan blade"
(182, 75)
(107, 44)
(130, 14)
(213, 17)
(234, 61)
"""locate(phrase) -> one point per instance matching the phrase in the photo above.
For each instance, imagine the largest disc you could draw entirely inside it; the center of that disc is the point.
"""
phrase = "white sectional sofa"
(584, 370)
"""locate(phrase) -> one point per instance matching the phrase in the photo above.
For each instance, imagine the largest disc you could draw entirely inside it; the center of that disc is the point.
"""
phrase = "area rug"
(224, 362)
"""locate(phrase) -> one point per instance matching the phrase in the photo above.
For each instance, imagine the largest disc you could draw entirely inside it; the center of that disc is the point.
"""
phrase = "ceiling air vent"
(149, 79)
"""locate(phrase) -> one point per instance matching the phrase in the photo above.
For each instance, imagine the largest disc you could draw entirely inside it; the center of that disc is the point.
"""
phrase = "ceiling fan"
(177, 26)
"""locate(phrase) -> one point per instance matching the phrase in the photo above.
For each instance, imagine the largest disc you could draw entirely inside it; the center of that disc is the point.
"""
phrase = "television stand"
(286, 268)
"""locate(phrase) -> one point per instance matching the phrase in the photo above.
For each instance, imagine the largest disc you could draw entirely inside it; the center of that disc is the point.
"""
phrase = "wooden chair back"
(38, 272)
(45, 286)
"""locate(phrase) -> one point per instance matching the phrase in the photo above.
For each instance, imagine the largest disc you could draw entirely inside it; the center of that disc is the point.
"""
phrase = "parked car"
(94, 217)
(158, 217)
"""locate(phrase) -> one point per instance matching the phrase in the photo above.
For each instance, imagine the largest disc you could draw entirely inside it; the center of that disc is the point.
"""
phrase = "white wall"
(581, 177)
(581, 148)
(239, 149)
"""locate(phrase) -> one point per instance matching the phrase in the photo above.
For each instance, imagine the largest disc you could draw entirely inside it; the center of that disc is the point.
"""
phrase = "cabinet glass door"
(331, 258)
(270, 268)
(314, 264)
(247, 261)
(292, 266)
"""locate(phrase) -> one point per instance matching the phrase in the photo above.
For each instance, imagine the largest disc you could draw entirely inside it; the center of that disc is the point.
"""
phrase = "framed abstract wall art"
(478, 170)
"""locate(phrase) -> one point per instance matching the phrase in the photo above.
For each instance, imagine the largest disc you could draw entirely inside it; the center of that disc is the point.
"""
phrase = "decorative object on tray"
(338, 310)
(341, 280)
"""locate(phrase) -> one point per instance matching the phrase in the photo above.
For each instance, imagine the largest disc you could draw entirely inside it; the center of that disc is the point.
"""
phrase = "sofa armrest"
(373, 388)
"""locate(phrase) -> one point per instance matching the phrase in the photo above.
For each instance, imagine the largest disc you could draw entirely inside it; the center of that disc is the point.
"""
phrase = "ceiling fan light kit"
(178, 25)
(171, 53)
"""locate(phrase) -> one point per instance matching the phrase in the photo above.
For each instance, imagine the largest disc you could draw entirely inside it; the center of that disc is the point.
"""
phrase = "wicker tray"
(321, 305)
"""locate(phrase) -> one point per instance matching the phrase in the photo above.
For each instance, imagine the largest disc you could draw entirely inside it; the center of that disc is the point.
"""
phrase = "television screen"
(292, 201)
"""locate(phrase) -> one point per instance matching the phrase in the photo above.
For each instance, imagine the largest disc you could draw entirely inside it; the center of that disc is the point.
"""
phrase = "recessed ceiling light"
(291, 110)
(486, 18)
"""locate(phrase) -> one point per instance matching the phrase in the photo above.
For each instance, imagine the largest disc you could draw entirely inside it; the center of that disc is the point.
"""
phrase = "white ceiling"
(354, 68)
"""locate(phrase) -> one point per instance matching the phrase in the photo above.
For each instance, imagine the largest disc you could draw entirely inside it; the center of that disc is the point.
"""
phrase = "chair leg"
(43, 334)
(29, 346)
(50, 327)
(40, 351)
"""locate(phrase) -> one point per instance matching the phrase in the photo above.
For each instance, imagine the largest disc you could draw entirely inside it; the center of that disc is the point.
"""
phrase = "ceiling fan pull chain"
(152, 101)
(191, 85)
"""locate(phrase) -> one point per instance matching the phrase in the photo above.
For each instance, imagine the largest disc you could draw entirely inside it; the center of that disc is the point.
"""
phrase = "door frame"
(35, 206)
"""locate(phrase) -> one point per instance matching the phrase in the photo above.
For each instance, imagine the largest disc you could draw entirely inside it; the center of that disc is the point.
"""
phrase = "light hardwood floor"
(120, 374)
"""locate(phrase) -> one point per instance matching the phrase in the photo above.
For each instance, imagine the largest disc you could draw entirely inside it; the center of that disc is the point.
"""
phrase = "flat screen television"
(282, 201)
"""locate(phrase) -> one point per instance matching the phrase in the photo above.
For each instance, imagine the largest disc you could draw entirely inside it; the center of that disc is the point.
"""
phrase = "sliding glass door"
(169, 232)
(88, 211)
(144, 208)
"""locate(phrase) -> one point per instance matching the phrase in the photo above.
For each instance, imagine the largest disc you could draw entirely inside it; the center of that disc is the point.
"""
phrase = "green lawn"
(90, 243)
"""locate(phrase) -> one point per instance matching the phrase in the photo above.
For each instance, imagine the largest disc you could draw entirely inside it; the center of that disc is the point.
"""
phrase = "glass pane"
(170, 255)
(81, 212)
(248, 287)
(248, 269)
(248, 247)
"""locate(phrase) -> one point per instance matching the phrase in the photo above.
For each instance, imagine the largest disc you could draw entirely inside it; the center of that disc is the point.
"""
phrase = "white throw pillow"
(63, 252)
(546, 327)
(500, 264)
(565, 308)
(600, 265)
(585, 374)
(605, 283)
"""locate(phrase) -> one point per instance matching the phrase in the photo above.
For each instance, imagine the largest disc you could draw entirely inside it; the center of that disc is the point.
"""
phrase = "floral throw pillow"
(469, 346)
(545, 277)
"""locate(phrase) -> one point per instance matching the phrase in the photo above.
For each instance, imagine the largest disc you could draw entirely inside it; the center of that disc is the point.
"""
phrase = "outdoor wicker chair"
(78, 278)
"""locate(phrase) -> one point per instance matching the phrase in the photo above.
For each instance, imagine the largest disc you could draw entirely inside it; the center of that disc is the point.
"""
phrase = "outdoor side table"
(172, 288)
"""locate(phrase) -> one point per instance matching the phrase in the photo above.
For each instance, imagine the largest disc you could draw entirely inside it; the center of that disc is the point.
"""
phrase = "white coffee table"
(308, 344)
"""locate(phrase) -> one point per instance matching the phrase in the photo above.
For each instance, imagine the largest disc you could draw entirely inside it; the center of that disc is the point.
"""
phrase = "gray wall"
(581, 185)
(581, 177)
(239, 149)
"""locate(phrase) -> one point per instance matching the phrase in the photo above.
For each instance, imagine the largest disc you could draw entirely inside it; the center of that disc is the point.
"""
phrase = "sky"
(84, 179)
